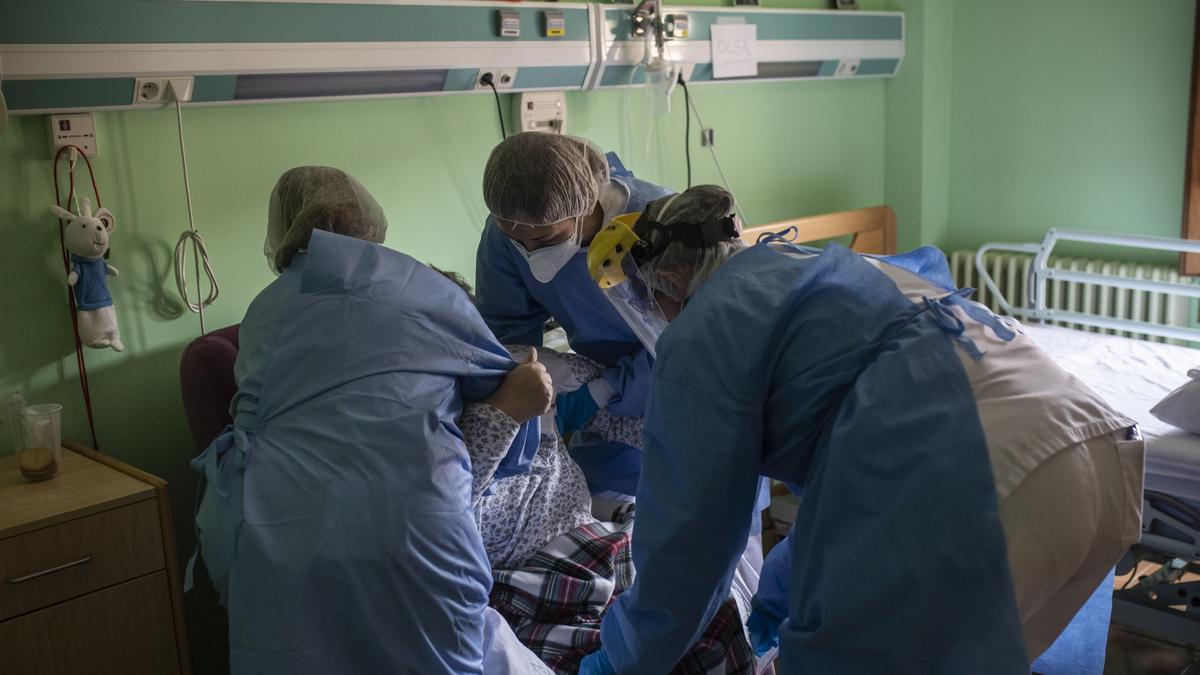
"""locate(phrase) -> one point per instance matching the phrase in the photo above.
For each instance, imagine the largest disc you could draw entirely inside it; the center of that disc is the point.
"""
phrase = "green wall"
(918, 114)
(788, 149)
(1069, 114)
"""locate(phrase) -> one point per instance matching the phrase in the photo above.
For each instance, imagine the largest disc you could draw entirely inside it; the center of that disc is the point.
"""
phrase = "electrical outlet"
(847, 68)
(706, 138)
(503, 78)
(78, 130)
(159, 90)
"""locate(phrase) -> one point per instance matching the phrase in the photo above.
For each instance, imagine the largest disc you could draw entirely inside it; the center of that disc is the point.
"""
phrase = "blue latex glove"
(574, 409)
(596, 663)
(764, 631)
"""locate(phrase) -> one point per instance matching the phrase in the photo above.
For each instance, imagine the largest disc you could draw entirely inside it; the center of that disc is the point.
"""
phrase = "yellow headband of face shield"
(609, 248)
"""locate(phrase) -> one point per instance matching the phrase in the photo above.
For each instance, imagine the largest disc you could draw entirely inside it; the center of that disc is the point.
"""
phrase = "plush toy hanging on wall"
(87, 242)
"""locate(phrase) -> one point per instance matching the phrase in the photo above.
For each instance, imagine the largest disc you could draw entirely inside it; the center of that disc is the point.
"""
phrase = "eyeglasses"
(534, 237)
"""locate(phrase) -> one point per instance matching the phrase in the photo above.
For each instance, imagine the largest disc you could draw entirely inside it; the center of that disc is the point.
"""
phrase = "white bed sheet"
(1133, 376)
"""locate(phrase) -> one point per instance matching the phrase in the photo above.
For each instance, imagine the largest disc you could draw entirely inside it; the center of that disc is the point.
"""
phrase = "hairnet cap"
(697, 204)
(679, 270)
(536, 178)
(309, 198)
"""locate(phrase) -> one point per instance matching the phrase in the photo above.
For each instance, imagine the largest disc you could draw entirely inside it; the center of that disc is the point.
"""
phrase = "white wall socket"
(541, 111)
(847, 67)
(159, 90)
(503, 78)
(78, 130)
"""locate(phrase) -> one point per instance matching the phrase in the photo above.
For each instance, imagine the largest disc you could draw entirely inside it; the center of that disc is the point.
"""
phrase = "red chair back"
(206, 379)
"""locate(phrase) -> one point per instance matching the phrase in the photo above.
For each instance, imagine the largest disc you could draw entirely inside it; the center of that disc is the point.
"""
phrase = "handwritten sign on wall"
(733, 47)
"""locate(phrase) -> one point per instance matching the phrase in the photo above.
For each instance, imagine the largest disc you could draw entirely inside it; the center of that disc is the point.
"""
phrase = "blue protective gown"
(819, 372)
(516, 306)
(336, 522)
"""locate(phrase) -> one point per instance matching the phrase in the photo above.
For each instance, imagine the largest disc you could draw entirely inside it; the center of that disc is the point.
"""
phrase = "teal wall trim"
(139, 21)
(38, 94)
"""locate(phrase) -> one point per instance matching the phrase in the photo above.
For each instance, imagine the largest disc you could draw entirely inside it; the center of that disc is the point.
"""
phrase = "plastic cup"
(660, 80)
(11, 406)
(42, 428)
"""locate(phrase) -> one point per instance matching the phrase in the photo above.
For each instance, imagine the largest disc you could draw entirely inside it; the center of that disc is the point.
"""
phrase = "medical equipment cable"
(199, 250)
(80, 362)
(499, 109)
(687, 129)
(627, 104)
(717, 161)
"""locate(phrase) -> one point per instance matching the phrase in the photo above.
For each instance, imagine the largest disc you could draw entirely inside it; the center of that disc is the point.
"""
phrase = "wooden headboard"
(874, 229)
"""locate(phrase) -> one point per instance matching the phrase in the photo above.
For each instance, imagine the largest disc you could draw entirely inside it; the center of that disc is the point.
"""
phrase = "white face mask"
(546, 262)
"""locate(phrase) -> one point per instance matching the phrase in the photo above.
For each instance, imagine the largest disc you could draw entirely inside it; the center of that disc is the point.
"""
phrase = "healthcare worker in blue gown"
(962, 495)
(548, 196)
(336, 520)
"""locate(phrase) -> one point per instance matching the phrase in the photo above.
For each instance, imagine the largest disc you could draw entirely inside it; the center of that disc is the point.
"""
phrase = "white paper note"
(733, 50)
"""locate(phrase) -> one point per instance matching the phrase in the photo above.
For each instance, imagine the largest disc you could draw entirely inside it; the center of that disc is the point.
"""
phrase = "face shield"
(614, 268)
(645, 262)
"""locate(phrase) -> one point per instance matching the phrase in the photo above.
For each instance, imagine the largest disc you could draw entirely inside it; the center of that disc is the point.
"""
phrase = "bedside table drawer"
(117, 631)
(70, 559)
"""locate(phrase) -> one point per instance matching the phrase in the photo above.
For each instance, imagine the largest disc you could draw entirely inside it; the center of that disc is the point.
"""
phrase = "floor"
(1131, 653)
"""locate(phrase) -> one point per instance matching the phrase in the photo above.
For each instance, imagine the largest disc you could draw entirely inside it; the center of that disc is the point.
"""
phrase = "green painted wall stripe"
(461, 79)
(799, 26)
(828, 68)
(878, 66)
(36, 94)
(557, 76)
(141, 21)
(214, 88)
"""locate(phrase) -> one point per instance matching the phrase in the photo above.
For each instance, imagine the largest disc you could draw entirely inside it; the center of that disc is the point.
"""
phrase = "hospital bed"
(1133, 375)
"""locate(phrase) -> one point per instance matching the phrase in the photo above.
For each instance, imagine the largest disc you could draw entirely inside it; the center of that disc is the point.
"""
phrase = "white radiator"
(1011, 271)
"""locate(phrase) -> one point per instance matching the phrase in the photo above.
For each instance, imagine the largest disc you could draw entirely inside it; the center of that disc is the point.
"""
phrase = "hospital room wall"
(917, 118)
(1068, 114)
(421, 157)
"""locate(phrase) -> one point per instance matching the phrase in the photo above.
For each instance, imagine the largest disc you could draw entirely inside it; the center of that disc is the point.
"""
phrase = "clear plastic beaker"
(41, 427)
(660, 82)
(12, 405)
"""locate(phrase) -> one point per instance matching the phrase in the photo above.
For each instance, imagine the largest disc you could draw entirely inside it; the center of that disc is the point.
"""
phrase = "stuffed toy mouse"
(87, 242)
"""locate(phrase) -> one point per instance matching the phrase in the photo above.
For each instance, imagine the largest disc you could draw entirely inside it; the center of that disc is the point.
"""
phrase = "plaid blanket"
(555, 602)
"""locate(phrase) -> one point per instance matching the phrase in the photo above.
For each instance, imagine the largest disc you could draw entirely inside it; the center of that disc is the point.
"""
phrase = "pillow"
(1181, 408)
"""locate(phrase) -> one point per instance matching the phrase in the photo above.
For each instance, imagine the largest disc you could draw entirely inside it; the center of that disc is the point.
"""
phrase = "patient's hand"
(526, 392)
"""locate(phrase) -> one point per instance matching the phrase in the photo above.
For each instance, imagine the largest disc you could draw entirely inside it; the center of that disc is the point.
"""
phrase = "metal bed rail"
(1034, 307)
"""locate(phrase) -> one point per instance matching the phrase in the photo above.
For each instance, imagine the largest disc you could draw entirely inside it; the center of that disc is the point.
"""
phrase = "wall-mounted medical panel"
(84, 54)
(791, 44)
(87, 54)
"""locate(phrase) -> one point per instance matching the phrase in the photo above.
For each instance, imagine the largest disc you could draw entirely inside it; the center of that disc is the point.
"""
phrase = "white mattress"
(1133, 376)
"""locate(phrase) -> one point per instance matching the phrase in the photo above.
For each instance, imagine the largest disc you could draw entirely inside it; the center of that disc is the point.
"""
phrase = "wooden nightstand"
(89, 578)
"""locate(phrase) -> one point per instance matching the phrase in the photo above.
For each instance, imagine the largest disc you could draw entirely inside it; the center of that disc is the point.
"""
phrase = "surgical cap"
(309, 198)
(688, 264)
(537, 178)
